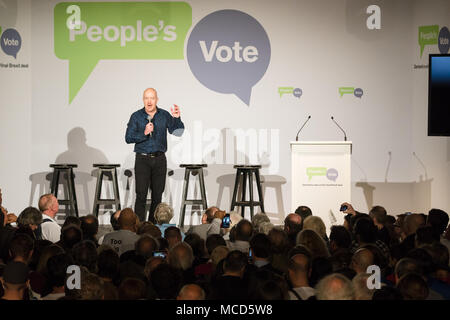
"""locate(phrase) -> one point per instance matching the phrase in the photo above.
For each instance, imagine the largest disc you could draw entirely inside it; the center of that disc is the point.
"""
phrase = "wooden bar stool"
(194, 169)
(71, 201)
(110, 170)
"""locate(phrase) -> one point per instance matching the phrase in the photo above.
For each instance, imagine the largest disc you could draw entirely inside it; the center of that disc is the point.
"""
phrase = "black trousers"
(149, 172)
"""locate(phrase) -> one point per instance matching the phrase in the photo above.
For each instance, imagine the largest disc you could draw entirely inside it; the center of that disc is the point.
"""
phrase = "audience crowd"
(372, 256)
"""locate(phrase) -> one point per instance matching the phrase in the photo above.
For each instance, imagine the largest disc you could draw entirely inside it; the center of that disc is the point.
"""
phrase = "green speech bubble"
(119, 30)
(428, 35)
(285, 90)
(346, 90)
(315, 171)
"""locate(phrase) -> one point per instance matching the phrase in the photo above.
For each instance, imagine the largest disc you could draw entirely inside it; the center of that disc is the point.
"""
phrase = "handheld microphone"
(345, 136)
(150, 119)
(296, 137)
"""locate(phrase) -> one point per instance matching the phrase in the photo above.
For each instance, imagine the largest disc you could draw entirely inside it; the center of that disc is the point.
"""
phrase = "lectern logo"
(331, 174)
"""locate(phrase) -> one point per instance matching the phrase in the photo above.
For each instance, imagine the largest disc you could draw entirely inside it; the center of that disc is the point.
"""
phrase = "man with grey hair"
(191, 292)
(30, 217)
(181, 256)
(335, 287)
(362, 291)
(163, 215)
(50, 229)
(206, 228)
(361, 260)
(257, 220)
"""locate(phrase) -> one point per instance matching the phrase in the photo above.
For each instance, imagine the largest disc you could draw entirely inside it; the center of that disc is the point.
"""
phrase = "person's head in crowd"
(438, 220)
(21, 248)
(424, 258)
(412, 223)
(151, 264)
(361, 260)
(47, 253)
(57, 271)
(89, 226)
(70, 236)
(85, 254)
(108, 264)
(314, 242)
(15, 280)
(146, 245)
(213, 241)
(272, 289)
(362, 291)
(292, 224)
(304, 212)
(365, 231)
(197, 244)
(208, 215)
(147, 227)
(132, 289)
(244, 230)
(127, 220)
(425, 235)
(181, 256)
(320, 267)
(315, 223)
(440, 257)
(92, 287)
(235, 218)
(114, 220)
(219, 253)
(235, 264)
(340, 238)
(72, 220)
(191, 292)
(378, 215)
(163, 213)
(405, 266)
(39, 246)
(299, 266)
(335, 287)
(257, 220)
(261, 247)
(413, 286)
(166, 280)
(163, 244)
(399, 227)
(279, 240)
(173, 236)
(30, 217)
(387, 293)
(341, 259)
(48, 204)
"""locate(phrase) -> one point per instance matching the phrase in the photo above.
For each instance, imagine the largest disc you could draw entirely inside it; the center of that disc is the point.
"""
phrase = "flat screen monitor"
(439, 95)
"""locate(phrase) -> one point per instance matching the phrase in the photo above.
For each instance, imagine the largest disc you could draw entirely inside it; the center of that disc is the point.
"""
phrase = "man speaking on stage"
(147, 129)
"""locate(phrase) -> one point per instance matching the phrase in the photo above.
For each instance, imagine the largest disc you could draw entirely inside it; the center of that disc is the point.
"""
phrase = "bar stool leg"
(236, 184)
(73, 202)
(98, 187)
(260, 194)
(202, 189)
(116, 189)
(55, 182)
(244, 191)
(250, 189)
(183, 199)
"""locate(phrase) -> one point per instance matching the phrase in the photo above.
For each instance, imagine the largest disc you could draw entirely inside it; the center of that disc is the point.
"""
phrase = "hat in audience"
(16, 273)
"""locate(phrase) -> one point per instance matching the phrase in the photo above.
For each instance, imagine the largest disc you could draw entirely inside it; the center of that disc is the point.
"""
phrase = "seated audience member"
(173, 236)
(218, 254)
(125, 238)
(387, 293)
(292, 226)
(365, 232)
(149, 228)
(181, 257)
(85, 254)
(132, 289)
(228, 233)
(49, 228)
(280, 248)
(89, 226)
(413, 287)
(361, 260)
(316, 224)
(299, 270)
(204, 229)
(7, 232)
(166, 281)
(231, 285)
(244, 231)
(362, 291)
(70, 235)
(438, 220)
(92, 287)
(191, 292)
(108, 265)
(57, 273)
(257, 220)
(335, 287)
(163, 215)
(151, 264)
(411, 224)
(320, 267)
(378, 215)
(30, 218)
(21, 248)
(72, 220)
(314, 242)
(340, 238)
(198, 247)
(304, 212)
(261, 250)
(15, 281)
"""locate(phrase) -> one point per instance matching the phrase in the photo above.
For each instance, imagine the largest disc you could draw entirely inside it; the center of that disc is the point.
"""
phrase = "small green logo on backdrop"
(431, 35)
(357, 92)
(296, 92)
(118, 30)
(332, 174)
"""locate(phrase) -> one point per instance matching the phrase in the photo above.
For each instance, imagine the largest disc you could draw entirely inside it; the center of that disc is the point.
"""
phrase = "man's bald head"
(191, 292)
(127, 219)
(293, 223)
(362, 259)
(48, 204)
(150, 90)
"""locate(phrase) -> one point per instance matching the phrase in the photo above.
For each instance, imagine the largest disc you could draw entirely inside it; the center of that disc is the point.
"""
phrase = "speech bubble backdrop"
(228, 51)
(285, 90)
(332, 174)
(119, 30)
(297, 92)
(11, 42)
(346, 90)
(428, 35)
(315, 171)
(358, 92)
(444, 40)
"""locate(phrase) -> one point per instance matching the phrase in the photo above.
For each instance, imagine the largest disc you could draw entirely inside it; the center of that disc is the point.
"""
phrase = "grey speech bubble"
(332, 174)
(297, 92)
(358, 92)
(234, 35)
(11, 42)
(444, 40)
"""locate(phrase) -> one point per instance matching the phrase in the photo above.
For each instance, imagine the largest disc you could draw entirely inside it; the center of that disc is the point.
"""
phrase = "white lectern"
(321, 178)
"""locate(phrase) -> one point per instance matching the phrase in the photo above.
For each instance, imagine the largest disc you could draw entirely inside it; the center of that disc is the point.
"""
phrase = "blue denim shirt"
(162, 122)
